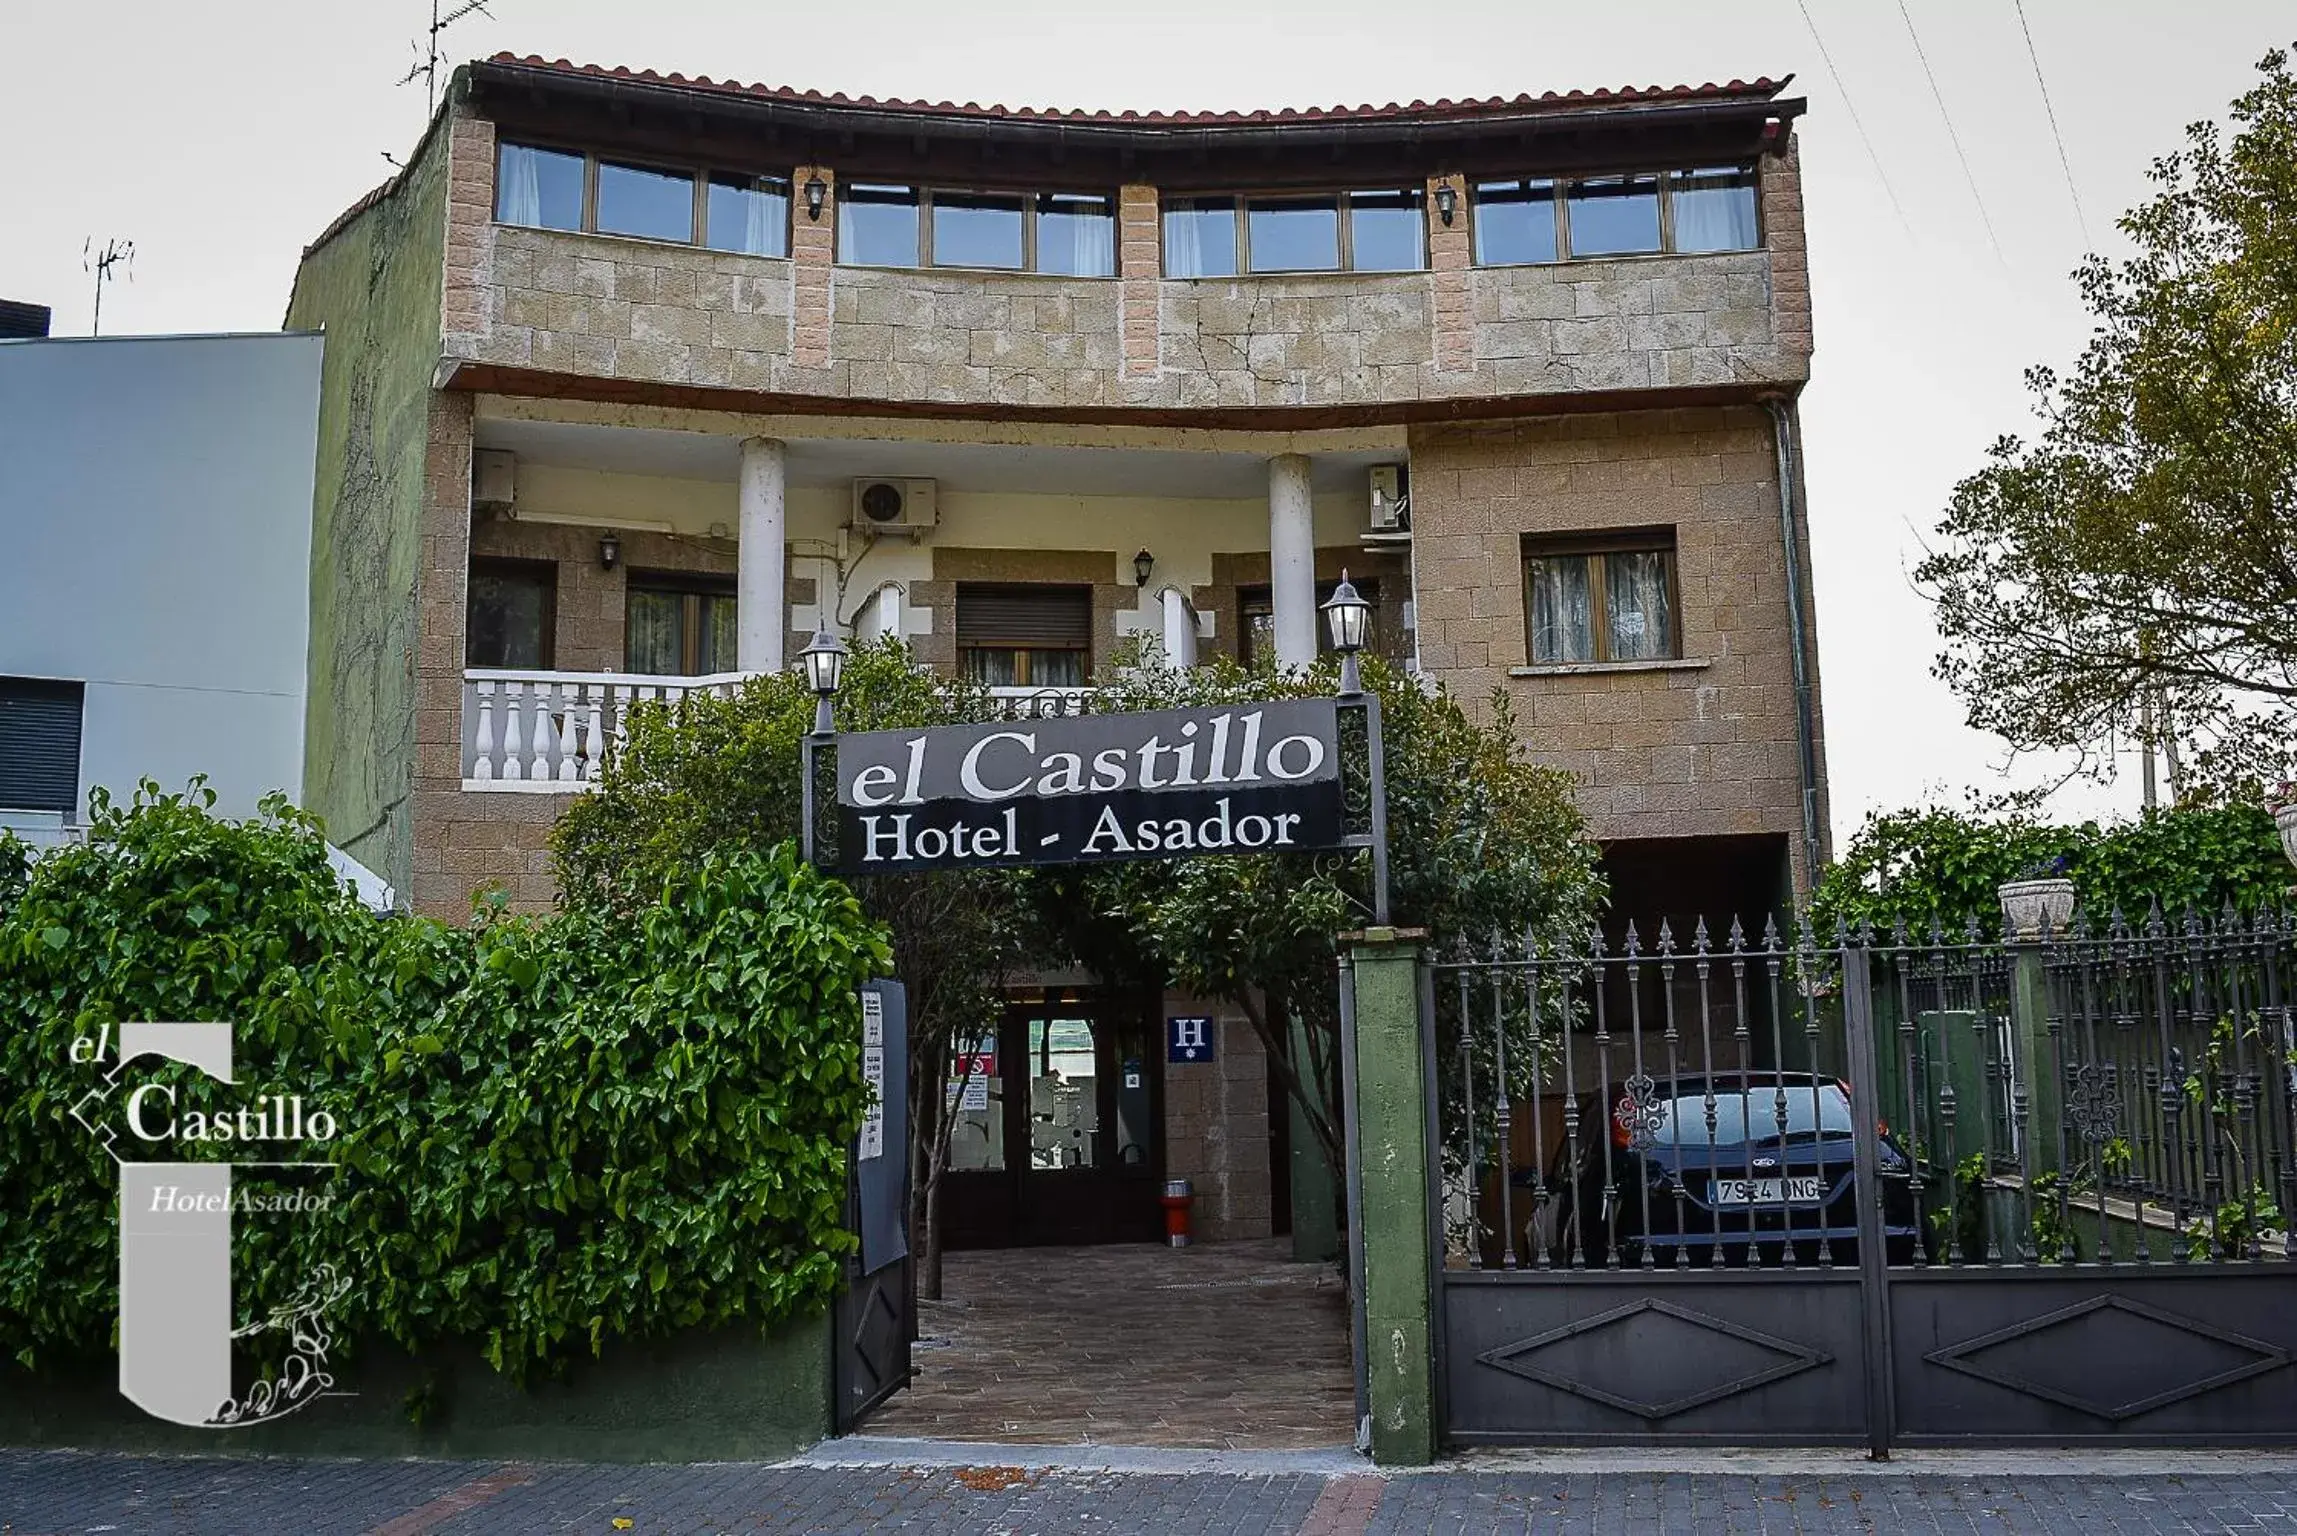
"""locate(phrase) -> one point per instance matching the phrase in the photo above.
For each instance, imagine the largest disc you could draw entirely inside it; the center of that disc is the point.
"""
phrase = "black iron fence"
(1669, 1102)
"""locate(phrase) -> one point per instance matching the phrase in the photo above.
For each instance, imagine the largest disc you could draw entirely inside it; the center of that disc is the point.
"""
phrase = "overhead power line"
(1852, 108)
(2064, 164)
(1948, 118)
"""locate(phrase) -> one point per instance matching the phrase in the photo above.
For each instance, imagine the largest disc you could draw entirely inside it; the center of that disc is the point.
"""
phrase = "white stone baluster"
(542, 737)
(593, 729)
(570, 732)
(513, 743)
(622, 699)
(482, 764)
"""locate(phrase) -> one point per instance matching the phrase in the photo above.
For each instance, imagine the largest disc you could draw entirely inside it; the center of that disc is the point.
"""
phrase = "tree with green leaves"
(2133, 571)
(1481, 842)
(717, 772)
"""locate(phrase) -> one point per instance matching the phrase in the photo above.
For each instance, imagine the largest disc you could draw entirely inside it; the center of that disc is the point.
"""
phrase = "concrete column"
(764, 558)
(1292, 559)
(1179, 633)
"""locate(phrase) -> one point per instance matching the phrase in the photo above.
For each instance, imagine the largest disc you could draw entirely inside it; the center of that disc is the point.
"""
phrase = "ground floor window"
(512, 612)
(679, 625)
(40, 744)
(1025, 636)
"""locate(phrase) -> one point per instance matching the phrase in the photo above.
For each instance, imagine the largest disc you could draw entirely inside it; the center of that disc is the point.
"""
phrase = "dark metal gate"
(874, 1321)
(1884, 1190)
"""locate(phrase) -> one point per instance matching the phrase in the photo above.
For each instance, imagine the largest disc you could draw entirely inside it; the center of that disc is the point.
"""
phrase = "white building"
(155, 548)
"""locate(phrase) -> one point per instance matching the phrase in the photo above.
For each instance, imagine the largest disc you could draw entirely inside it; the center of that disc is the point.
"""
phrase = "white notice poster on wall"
(873, 1073)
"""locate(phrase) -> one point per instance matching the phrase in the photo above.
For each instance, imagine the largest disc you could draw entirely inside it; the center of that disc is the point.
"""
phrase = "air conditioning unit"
(1391, 500)
(893, 506)
(494, 478)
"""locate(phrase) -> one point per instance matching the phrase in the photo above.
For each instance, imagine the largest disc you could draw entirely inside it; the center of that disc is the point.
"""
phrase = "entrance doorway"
(1059, 1126)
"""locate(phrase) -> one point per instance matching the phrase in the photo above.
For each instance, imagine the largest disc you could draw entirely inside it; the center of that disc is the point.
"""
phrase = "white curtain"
(1715, 211)
(762, 228)
(519, 200)
(1095, 249)
(1641, 627)
(1562, 610)
(1184, 237)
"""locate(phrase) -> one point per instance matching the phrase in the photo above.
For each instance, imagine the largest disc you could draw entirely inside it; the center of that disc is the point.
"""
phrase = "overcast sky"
(220, 136)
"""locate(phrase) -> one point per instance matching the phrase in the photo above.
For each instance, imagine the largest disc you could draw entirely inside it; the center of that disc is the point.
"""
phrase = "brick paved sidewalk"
(58, 1492)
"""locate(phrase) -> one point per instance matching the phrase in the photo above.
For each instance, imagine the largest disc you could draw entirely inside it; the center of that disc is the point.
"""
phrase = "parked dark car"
(1655, 1174)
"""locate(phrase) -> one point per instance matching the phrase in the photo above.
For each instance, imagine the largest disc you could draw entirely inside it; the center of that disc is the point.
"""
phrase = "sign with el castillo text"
(1242, 778)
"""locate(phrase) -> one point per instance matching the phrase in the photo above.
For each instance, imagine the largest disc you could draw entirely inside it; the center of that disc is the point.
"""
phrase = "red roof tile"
(1550, 101)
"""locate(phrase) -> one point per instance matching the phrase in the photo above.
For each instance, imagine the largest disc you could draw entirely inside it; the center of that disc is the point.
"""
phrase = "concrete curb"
(1157, 1461)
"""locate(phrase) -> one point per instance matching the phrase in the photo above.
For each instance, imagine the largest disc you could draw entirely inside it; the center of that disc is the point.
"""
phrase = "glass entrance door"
(1058, 1128)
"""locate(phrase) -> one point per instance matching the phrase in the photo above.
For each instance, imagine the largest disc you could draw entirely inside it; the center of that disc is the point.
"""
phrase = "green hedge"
(554, 1131)
(1934, 863)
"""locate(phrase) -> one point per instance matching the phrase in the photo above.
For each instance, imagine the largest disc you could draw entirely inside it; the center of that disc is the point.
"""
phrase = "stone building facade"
(613, 361)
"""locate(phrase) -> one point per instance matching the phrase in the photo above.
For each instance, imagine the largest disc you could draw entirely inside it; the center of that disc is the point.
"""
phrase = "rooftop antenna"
(426, 65)
(116, 253)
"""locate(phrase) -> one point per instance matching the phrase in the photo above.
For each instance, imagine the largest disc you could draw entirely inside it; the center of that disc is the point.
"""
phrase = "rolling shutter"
(1023, 618)
(39, 745)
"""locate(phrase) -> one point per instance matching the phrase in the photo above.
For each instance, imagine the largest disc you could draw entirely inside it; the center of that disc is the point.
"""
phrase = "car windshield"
(1684, 1120)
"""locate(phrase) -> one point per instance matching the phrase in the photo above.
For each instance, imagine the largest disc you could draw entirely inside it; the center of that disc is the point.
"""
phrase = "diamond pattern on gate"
(1792, 1359)
(2146, 1344)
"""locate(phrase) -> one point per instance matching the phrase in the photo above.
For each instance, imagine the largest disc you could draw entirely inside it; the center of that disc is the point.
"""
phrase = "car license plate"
(1802, 1191)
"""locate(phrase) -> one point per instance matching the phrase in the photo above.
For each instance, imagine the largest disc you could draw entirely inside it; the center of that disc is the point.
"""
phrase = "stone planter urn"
(2286, 819)
(2031, 907)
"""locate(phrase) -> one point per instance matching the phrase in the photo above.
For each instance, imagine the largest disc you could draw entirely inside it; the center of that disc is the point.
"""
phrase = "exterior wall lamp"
(1349, 618)
(1143, 563)
(609, 551)
(818, 189)
(1447, 199)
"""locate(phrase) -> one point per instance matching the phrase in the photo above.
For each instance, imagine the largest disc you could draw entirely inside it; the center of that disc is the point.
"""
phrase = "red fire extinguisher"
(1178, 1196)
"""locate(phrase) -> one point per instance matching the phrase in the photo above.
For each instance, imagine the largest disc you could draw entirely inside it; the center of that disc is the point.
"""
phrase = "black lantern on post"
(823, 660)
(816, 190)
(1349, 618)
(1447, 199)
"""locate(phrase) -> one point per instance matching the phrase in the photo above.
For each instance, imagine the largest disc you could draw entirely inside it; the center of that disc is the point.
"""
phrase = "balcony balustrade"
(547, 733)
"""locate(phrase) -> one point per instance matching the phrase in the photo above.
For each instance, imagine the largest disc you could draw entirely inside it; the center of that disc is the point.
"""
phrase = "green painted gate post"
(2037, 1056)
(1388, 1105)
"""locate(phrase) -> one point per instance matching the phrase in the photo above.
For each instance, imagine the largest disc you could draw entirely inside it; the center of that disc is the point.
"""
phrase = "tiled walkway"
(1226, 1345)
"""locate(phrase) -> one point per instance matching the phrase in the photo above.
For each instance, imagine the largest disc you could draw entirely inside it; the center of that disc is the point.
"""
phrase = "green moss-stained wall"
(374, 288)
(735, 1395)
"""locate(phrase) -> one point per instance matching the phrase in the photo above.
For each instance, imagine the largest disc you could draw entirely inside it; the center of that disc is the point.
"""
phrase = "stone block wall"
(1701, 746)
(645, 312)
(1216, 1127)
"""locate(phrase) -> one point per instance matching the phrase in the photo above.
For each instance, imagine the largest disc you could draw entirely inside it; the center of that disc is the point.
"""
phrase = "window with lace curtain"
(677, 205)
(1606, 598)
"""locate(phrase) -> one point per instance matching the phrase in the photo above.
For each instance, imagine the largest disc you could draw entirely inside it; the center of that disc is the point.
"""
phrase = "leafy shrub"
(552, 1131)
(1934, 863)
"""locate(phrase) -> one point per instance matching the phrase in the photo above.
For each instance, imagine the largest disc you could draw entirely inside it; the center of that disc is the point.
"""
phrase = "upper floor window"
(1032, 635)
(1381, 230)
(1256, 619)
(512, 613)
(1069, 234)
(40, 744)
(1545, 219)
(677, 625)
(1603, 598)
(560, 189)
